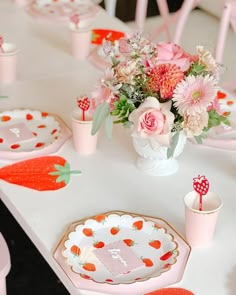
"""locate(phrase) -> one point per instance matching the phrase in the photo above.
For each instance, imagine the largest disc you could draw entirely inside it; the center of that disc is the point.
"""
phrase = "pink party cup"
(8, 61)
(200, 225)
(80, 43)
(84, 142)
(20, 2)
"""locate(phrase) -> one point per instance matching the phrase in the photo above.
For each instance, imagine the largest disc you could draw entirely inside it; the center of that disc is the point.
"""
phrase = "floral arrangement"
(159, 90)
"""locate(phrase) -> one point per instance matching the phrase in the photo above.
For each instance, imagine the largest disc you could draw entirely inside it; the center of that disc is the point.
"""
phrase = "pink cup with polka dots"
(200, 225)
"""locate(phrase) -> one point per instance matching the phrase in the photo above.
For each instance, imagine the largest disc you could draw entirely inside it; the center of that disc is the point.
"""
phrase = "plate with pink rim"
(61, 10)
(120, 249)
(25, 133)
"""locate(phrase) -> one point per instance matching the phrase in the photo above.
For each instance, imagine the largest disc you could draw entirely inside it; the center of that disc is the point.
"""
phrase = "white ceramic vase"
(155, 161)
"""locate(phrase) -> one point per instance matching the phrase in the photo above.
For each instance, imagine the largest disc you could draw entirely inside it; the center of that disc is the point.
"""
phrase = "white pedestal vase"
(155, 161)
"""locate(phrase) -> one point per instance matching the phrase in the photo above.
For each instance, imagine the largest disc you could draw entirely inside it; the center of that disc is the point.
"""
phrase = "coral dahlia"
(163, 78)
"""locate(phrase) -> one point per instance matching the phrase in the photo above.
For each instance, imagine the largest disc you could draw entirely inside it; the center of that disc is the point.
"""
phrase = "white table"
(110, 180)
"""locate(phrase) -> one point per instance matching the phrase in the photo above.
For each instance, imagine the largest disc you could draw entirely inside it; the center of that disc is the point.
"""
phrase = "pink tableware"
(8, 63)
(80, 43)
(200, 224)
(84, 142)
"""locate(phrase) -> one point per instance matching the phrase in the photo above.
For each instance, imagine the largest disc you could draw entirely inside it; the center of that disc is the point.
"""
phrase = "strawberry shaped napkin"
(171, 291)
(42, 173)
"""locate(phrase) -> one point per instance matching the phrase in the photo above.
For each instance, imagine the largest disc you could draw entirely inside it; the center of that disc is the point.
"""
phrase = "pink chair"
(5, 264)
(141, 13)
(228, 17)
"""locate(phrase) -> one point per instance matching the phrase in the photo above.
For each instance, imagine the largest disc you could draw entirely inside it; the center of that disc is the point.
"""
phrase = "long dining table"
(49, 79)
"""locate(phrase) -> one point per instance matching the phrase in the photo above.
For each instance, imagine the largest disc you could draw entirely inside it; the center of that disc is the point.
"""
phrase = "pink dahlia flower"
(194, 94)
(164, 78)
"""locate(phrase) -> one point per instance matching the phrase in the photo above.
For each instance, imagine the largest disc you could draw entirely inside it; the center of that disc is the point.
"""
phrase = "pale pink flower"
(215, 106)
(126, 71)
(124, 46)
(153, 120)
(193, 125)
(206, 58)
(164, 78)
(102, 94)
(194, 94)
(174, 54)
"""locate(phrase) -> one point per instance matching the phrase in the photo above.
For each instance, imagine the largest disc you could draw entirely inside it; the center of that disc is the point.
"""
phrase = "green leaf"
(174, 142)
(100, 115)
(198, 139)
(109, 126)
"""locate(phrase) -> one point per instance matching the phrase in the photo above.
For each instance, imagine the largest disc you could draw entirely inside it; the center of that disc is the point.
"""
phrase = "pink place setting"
(122, 253)
(60, 11)
(26, 133)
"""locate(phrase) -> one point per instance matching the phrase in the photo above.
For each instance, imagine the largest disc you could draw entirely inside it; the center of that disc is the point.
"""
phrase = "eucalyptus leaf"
(109, 126)
(100, 115)
(198, 139)
(174, 142)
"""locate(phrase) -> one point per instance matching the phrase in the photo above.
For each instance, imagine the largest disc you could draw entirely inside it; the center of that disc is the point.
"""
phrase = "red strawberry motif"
(41, 126)
(42, 173)
(5, 118)
(29, 117)
(221, 95)
(39, 144)
(1, 140)
(99, 244)
(75, 250)
(129, 242)
(44, 114)
(155, 244)
(15, 146)
(138, 225)
(114, 230)
(88, 232)
(83, 103)
(201, 185)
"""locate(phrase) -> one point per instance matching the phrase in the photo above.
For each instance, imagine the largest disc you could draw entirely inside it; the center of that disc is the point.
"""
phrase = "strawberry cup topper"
(75, 20)
(83, 102)
(201, 186)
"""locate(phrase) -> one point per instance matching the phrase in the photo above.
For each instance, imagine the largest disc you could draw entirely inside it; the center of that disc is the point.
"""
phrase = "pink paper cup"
(84, 142)
(200, 225)
(8, 63)
(80, 43)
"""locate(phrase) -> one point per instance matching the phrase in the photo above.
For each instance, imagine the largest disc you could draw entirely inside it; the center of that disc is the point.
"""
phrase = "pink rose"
(153, 120)
(124, 46)
(172, 53)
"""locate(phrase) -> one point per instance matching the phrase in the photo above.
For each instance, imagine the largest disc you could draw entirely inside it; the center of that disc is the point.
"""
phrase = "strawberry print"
(221, 95)
(5, 118)
(1, 140)
(138, 225)
(75, 250)
(84, 276)
(98, 245)
(109, 280)
(39, 144)
(89, 267)
(41, 126)
(155, 244)
(42, 173)
(88, 232)
(44, 114)
(100, 218)
(115, 230)
(129, 242)
(29, 117)
(15, 146)
(148, 262)
(167, 255)
(156, 226)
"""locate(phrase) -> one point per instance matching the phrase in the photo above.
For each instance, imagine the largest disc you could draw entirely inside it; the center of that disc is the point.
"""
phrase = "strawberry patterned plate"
(61, 10)
(120, 249)
(25, 133)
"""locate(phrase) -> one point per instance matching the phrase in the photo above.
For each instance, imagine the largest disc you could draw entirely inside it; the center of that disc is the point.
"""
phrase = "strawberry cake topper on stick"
(1, 43)
(84, 104)
(75, 19)
(201, 186)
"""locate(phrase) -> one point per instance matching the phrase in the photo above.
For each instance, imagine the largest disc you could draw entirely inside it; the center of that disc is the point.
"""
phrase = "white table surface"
(109, 180)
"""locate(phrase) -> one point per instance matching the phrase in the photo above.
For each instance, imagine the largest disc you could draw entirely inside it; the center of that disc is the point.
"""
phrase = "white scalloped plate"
(154, 247)
(25, 133)
(62, 10)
